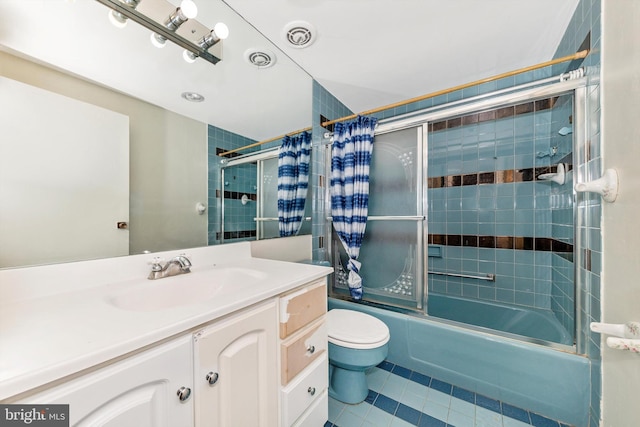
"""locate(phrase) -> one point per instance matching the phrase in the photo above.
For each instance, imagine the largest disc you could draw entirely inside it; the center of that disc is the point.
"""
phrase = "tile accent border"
(241, 234)
(490, 115)
(545, 244)
(236, 195)
(494, 177)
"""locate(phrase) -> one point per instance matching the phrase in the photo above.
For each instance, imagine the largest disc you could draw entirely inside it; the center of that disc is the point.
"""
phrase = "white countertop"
(47, 334)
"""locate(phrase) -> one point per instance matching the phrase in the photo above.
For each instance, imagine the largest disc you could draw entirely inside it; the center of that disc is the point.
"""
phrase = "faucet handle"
(156, 263)
(187, 258)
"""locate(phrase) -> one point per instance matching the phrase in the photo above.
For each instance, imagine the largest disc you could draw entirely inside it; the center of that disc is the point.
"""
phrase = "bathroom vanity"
(238, 341)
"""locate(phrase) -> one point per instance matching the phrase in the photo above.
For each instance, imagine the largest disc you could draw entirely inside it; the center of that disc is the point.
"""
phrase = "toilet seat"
(353, 329)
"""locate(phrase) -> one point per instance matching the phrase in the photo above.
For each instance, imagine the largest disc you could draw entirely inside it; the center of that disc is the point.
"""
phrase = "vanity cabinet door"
(236, 370)
(140, 391)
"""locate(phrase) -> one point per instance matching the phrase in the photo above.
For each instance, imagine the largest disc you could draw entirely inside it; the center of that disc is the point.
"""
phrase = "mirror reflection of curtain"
(293, 182)
(350, 161)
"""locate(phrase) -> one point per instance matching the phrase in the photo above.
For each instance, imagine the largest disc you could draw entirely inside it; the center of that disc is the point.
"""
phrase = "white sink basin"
(185, 289)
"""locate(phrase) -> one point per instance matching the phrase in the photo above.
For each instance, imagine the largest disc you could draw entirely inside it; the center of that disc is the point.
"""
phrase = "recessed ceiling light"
(193, 96)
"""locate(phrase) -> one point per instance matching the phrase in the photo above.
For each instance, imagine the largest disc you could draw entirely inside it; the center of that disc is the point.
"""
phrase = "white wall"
(620, 291)
(168, 159)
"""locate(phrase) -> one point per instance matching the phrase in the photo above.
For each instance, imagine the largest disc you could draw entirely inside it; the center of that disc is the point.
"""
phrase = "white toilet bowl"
(357, 342)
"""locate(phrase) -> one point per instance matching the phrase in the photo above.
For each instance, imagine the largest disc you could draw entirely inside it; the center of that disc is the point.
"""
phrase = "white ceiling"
(371, 53)
(367, 53)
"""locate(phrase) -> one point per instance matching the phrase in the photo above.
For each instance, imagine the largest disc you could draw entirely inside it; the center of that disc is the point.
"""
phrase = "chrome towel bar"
(489, 277)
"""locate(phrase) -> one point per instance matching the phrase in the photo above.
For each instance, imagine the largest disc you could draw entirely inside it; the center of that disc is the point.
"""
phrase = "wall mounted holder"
(621, 330)
(624, 344)
(606, 186)
(200, 208)
(624, 336)
(559, 177)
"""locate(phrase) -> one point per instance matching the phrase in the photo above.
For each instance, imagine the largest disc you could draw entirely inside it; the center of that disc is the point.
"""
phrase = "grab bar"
(390, 218)
(489, 277)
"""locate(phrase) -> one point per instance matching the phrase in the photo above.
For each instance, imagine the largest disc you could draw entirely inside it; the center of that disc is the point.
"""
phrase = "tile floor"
(399, 397)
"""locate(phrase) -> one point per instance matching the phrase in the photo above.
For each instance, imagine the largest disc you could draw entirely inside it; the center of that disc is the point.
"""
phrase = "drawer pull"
(184, 393)
(311, 349)
(212, 378)
(311, 390)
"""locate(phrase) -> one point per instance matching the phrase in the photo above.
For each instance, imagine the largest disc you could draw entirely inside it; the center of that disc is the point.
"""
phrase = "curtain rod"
(578, 55)
(256, 144)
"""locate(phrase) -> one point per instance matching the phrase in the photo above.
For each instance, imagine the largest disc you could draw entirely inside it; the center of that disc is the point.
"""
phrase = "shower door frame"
(241, 160)
(537, 89)
(419, 218)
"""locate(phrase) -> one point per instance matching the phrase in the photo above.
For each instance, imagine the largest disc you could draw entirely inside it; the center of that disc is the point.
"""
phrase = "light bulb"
(117, 19)
(189, 56)
(221, 30)
(189, 9)
(158, 41)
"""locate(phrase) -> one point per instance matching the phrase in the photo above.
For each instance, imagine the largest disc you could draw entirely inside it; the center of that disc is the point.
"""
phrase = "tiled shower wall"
(239, 224)
(516, 216)
(562, 218)
(487, 208)
(586, 22)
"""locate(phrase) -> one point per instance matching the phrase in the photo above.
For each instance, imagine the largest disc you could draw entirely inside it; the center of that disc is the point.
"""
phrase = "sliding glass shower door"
(391, 253)
(495, 179)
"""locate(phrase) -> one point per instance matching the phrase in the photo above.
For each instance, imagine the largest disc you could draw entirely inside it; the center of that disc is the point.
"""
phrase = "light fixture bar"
(160, 29)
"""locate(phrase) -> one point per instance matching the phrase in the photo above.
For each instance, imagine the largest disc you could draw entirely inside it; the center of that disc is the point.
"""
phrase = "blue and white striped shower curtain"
(350, 161)
(293, 182)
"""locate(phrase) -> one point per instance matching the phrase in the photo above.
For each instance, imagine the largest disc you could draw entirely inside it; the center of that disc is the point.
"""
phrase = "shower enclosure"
(469, 220)
(249, 198)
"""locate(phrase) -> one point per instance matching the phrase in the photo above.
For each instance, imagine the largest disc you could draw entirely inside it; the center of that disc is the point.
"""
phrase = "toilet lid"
(353, 329)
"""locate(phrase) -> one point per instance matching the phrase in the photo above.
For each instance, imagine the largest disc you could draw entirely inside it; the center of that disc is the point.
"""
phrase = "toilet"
(357, 342)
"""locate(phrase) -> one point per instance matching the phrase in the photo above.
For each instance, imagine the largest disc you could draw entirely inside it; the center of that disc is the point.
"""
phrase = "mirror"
(249, 209)
(71, 49)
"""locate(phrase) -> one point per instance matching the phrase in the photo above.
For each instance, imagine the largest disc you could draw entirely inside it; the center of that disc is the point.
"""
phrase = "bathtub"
(544, 380)
(537, 324)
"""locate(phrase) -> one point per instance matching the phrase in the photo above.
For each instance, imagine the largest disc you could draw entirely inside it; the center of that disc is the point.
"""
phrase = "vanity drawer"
(302, 349)
(317, 415)
(301, 392)
(302, 307)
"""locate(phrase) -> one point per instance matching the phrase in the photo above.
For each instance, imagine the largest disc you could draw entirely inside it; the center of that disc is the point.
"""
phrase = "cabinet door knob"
(212, 378)
(184, 393)
(311, 349)
(311, 390)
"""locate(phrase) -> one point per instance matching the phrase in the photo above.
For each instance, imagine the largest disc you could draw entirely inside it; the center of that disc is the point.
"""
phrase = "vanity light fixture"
(123, 10)
(220, 32)
(117, 18)
(187, 10)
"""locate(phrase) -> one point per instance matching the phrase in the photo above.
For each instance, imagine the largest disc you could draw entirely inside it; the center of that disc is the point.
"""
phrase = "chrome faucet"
(177, 265)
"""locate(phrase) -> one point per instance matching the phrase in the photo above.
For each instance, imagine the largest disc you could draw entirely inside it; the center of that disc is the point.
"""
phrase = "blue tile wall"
(588, 164)
(506, 209)
(325, 104)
